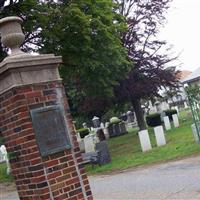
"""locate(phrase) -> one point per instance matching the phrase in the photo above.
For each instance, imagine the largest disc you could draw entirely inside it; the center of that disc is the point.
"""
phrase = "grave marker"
(145, 140)
(167, 123)
(175, 120)
(160, 136)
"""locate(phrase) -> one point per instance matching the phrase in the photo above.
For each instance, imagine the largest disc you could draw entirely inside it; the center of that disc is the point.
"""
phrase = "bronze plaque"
(50, 129)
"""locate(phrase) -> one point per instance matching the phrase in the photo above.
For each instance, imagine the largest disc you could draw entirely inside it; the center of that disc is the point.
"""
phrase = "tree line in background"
(111, 55)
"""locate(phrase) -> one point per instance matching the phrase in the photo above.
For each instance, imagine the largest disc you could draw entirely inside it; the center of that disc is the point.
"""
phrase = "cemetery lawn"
(126, 151)
(3, 176)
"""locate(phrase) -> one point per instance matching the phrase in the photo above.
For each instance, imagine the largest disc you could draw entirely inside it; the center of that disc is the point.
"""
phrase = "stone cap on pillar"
(21, 68)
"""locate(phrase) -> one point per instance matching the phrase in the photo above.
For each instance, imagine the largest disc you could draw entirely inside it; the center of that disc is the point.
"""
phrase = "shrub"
(115, 120)
(153, 120)
(83, 132)
(169, 113)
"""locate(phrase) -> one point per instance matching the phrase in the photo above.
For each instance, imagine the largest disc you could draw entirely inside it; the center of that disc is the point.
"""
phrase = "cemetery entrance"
(36, 123)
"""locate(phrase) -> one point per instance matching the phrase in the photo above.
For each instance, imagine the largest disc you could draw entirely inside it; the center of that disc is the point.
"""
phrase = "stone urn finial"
(12, 35)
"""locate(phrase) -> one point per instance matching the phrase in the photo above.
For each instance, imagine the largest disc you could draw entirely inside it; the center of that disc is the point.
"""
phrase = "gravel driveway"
(173, 180)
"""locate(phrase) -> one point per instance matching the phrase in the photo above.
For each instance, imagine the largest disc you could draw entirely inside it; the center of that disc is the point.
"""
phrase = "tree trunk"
(139, 114)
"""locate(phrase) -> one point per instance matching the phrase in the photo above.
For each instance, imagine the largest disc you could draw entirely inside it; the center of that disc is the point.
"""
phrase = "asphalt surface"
(173, 180)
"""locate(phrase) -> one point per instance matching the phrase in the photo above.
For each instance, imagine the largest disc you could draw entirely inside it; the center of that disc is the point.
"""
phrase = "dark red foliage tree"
(149, 72)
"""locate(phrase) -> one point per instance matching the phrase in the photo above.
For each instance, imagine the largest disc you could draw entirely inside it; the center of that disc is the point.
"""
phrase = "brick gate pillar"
(36, 124)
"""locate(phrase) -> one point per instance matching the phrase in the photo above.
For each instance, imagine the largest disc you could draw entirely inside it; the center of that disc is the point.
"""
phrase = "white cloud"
(183, 31)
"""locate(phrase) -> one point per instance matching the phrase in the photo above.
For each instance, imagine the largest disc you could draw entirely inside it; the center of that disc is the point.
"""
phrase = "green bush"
(169, 113)
(83, 132)
(115, 120)
(153, 120)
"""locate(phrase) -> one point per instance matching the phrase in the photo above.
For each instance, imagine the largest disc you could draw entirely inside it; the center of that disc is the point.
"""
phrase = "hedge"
(169, 113)
(153, 120)
(83, 132)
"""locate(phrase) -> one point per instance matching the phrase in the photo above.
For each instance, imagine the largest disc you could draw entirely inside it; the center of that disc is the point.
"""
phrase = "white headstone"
(3, 153)
(102, 125)
(145, 140)
(160, 136)
(185, 104)
(89, 143)
(176, 108)
(167, 123)
(81, 145)
(106, 133)
(175, 120)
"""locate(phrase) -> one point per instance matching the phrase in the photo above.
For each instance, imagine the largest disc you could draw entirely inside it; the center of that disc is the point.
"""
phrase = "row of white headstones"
(159, 134)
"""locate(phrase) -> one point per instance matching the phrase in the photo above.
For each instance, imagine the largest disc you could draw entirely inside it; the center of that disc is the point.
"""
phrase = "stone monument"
(160, 136)
(145, 140)
(167, 123)
(175, 120)
(36, 123)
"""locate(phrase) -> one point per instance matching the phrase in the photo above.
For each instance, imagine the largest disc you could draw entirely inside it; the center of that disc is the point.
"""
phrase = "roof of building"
(184, 74)
(195, 75)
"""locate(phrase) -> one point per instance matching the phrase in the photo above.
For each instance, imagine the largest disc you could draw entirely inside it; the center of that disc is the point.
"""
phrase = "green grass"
(3, 175)
(126, 151)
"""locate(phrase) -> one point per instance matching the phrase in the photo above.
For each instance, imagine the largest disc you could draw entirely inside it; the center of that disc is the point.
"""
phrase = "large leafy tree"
(148, 54)
(87, 35)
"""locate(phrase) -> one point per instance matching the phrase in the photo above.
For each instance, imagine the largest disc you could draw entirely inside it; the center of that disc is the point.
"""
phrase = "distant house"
(180, 97)
(193, 78)
(177, 100)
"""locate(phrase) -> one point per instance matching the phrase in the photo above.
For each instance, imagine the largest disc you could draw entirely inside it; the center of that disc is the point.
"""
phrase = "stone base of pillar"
(57, 176)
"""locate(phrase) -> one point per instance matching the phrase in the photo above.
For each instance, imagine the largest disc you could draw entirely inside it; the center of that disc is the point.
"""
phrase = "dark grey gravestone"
(130, 116)
(116, 129)
(104, 155)
(101, 135)
(110, 130)
(122, 128)
(50, 129)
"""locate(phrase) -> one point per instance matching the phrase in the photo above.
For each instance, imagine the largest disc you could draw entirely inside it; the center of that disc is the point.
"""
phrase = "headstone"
(100, 135)
(3, 153)
(107, 124)
(160, 137)
(130, 117)
(5, 158)
(106, 133)
(104, 155)
(89, 143)
(110, 131)
(176, 108)
(1, 157)
(123, 117)
(175, 120)
(122, 127)
(81, 145)
(102, 125)
(162, 115)
(167, 123)
(185, 104)
(145, 140)
(96, 122)
(116, 130)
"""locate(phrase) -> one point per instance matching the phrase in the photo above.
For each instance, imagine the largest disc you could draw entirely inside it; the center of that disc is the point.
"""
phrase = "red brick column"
(59, 176)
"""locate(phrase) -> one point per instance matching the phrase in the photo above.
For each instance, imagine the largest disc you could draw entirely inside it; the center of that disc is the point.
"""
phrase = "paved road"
(173, 180)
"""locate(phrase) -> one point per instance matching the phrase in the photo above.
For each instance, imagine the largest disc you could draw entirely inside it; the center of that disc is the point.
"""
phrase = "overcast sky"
(183, 31)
